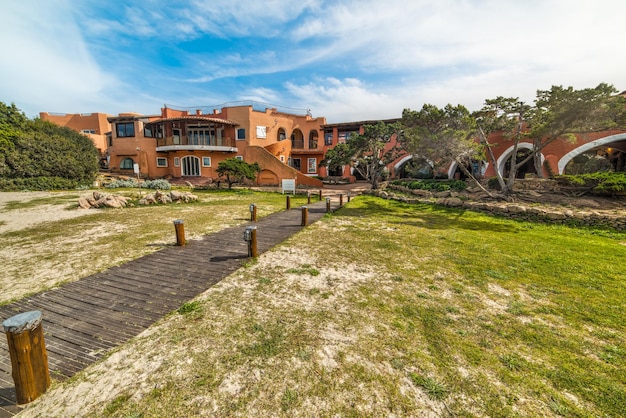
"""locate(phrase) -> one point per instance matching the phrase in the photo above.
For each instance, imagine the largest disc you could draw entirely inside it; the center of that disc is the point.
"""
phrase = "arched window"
(127, 164)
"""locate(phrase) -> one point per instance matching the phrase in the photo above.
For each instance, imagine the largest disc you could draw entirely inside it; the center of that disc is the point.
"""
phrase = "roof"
(358, 124)
(193, 118)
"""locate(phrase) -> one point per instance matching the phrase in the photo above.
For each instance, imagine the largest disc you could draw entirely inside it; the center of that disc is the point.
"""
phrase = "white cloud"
(47, 66)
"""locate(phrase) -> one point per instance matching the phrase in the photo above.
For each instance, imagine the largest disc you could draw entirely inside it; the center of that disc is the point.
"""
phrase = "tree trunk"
(474, 179)
(537, 159)
(492, 158)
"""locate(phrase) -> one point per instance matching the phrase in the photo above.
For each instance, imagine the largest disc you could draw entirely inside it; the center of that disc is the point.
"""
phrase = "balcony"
(185, 143)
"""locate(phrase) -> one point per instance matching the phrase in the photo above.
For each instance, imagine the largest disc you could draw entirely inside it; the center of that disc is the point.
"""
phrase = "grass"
(52, 253)
(385, 308)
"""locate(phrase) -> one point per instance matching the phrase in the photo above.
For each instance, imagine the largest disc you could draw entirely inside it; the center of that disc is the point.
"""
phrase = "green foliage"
(493, 183)
(190, 307)
(602, 183)
(37, 183)
(236, 170)
(372, 150)
(433, 185)
(35, 153)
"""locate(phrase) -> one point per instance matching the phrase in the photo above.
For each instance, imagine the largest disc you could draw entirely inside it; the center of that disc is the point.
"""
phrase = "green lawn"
(388, 309)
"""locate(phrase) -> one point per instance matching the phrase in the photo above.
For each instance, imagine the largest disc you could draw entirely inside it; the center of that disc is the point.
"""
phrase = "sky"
(345, 60)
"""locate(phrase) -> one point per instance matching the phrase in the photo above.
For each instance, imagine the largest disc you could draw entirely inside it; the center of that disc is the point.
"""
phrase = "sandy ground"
(25, 218)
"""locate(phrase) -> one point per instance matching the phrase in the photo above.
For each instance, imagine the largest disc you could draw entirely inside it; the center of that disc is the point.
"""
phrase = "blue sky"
(346, 60)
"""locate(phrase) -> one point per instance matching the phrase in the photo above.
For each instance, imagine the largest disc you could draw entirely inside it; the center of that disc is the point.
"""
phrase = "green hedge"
(432, 185)
(602, 183)
(38, 183)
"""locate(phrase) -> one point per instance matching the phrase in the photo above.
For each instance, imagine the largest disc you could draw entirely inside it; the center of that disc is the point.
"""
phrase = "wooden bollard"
(249, 235)
(288, 202)
(340, 199)
(348, 197)
(29, 359)
(179, 226)
(328, 204)
(320, 195)
(252, 212)
(308, 198)
(305, 216)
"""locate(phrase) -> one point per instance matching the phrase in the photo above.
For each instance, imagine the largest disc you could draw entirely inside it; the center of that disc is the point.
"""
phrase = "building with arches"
(190, 145)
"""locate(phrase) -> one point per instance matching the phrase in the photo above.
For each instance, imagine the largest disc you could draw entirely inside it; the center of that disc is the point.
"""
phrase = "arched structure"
(587, 147)
(506, 155)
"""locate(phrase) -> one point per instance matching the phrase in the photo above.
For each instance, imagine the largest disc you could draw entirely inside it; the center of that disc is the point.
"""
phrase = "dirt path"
(14, 220)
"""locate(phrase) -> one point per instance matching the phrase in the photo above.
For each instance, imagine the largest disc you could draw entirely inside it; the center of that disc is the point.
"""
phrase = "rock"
(453, 202)
(176, 195)
(516, 209)
(83, 203)
(442, 194)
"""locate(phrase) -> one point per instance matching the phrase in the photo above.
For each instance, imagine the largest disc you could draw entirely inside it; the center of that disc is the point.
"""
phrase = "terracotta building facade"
(190, 144)
(184, 144)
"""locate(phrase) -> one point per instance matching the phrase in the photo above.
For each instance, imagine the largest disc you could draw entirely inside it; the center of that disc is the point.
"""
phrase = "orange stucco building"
(180, 143)
(190, 144)
(94, 125)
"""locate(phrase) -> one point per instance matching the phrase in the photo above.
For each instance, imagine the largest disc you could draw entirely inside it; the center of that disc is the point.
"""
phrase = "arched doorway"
(613, 145)
(281, 135)
(127, 164)
(415, 168)
(313, 135)
(297, 139)
(527, 168)
(190, 166)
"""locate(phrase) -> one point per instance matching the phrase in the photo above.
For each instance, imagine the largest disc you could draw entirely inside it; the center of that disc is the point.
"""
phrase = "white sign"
(136, 168)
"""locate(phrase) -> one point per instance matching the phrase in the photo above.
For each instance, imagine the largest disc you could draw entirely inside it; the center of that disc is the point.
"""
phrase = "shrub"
(131, 183)
(602, 183)
(38, 183)
(433, 185)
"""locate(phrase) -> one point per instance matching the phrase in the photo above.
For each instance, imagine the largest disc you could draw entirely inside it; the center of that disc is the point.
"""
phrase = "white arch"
(506, 155)
(586, 147)
(402, 161)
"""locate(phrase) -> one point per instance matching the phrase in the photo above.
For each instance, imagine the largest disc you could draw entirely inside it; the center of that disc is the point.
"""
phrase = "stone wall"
(522, 211)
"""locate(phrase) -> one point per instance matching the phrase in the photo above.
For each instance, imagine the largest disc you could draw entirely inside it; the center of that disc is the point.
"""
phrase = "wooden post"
(179, 226)
(348, 197)
(288, 202)
(29, 359)
(308, 198)
(328, 204)
(250, 236)
(340, 199)
(305, 216)
(320, 195)
(252, 212)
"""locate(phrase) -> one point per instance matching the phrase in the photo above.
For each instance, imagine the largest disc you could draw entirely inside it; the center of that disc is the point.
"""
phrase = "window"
(282, 158)
(241, 134)
(295, 163)
(176, 162)
(206, 161)
(239, 157)
(127, 164)
(312, 165)
(328, 138)
(161, 162)
(125, 129)
(261, 132)
(176, 136)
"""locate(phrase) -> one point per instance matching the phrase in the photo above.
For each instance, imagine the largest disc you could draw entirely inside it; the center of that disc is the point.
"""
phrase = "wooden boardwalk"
(84, 320)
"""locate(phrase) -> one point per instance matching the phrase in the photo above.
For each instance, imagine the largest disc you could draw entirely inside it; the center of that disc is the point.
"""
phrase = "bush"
(38, 183)
(602, 183)
(493, 183)
(433, 185)
(131, 183)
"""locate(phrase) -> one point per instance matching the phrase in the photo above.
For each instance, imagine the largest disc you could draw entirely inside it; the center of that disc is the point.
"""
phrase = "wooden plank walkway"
(84, 320)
